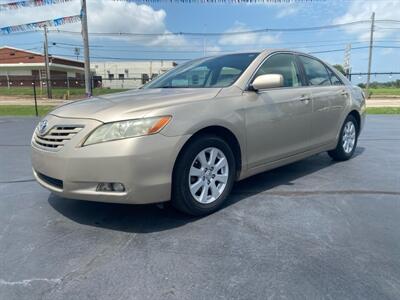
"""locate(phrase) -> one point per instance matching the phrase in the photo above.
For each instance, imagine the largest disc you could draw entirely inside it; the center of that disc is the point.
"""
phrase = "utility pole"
(371, 44)
(47, 64)
(85, 37)
(8, 80)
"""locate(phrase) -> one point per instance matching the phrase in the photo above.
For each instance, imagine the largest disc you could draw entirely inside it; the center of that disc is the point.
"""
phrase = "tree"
(340, 69)
(361, 85)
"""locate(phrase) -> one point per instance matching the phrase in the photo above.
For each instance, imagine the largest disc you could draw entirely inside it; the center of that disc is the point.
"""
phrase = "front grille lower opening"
(50, 180)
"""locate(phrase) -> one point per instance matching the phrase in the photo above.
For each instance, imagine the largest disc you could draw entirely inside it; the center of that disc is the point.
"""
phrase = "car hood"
(131, 104)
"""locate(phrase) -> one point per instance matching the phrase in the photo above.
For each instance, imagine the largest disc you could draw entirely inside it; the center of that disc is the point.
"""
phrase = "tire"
(211, 183)
(345, 151)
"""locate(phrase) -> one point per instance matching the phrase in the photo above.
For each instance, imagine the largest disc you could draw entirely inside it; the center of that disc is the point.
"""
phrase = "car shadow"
(284, 175)
(151, 218)
(120, 217)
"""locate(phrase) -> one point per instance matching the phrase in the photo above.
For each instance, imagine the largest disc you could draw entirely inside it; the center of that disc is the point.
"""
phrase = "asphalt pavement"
(314, 229)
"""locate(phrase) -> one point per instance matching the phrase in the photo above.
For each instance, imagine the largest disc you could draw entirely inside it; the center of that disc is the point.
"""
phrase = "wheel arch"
(222, 132)
(356, 116)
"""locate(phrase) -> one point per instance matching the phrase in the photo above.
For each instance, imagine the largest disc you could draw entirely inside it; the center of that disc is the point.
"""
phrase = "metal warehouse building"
(128, 74)
(20, 67)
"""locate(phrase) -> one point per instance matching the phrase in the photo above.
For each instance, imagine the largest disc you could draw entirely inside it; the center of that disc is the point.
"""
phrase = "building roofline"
(41, 64)
(40, 54)
(22, 50)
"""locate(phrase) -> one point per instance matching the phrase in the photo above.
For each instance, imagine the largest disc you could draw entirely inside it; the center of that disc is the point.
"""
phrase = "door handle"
(305, 99)
(344, 93)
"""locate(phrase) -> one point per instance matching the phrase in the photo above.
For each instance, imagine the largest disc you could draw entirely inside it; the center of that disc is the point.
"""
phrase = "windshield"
(209, 72)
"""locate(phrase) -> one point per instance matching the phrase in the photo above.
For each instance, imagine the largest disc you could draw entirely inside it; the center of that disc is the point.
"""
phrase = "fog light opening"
(118, 187)
(110, 187)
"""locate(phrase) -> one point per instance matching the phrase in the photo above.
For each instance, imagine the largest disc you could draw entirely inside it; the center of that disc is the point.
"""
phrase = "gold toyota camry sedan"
(188, 135)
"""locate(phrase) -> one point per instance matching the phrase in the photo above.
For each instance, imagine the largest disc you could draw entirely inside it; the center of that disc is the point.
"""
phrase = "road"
(312, 230)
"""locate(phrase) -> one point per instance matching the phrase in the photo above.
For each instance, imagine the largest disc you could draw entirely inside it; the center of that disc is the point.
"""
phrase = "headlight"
(126, 129)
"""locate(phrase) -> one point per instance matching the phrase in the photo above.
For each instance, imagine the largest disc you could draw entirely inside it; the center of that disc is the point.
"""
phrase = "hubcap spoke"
(214, 190)
(222, 163)
(202, 158)
(204, 193)
(221, 178)
(213, 156)
(195, 172)
(194, 188)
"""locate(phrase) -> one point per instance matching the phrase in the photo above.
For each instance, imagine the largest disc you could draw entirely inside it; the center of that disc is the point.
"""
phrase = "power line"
(387, 28)
(133, 47)
(247, 44)
(259, 48)
(180, 58)
(264, 30)
(218, 1)
(256, 31)
(354, 48)
(130, 58)
(338, 50)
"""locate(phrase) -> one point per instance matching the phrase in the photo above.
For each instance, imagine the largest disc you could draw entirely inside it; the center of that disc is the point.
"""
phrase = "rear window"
(316, 72)
(334, 79)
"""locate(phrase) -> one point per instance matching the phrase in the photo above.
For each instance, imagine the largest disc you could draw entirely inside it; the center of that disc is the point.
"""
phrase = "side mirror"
(267, 81)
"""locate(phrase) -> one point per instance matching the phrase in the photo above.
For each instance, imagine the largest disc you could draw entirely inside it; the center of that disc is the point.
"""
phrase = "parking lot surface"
(310, 230)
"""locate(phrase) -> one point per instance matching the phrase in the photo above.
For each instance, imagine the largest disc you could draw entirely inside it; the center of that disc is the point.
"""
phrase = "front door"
(278, 120)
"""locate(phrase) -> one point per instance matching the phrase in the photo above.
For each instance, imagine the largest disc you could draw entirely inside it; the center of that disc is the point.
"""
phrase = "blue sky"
(109, 16)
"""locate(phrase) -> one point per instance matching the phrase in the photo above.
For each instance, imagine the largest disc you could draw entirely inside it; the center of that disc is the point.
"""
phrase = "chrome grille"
(56, 137)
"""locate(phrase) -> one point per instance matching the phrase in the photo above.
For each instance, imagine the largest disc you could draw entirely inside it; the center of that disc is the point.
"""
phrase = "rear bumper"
(143, 165)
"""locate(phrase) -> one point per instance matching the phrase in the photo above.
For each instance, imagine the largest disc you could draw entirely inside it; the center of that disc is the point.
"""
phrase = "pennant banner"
(41, 24)
(29, 3)
(221, 1)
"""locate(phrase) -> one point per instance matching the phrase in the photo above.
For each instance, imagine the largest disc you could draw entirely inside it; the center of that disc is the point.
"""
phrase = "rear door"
(329, 98)
(278, 120)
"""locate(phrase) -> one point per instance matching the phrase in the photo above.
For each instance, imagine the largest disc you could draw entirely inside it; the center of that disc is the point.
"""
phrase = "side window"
(334, 78)
(284, 64)
(315, 71)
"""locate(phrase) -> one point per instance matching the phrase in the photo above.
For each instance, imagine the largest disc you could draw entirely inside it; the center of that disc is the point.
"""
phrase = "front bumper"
(143, 165)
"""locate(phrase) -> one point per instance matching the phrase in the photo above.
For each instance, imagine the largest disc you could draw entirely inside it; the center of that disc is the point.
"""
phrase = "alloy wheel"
(208, 175)
(349, 137)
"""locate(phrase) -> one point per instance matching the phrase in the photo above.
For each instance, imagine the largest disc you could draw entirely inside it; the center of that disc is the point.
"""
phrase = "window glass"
(228, 74)
(195, 77)
(334, 79)
(218, 71)
(315, 71)
(284, 64)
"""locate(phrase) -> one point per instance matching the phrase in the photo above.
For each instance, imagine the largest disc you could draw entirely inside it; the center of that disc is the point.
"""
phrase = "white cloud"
(362, 10)
(287, 11)
(103, 16)
(212, 50)
(249, 40)
(387, 51)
